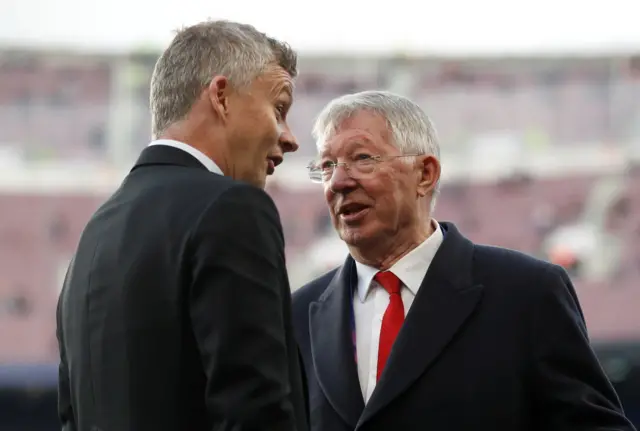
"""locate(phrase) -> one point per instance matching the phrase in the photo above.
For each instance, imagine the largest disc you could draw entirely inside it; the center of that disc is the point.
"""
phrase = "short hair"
(411, 128)
(202, 51)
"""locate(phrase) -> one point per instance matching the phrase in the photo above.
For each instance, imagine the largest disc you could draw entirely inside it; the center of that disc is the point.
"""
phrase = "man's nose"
(288, 141)
(341, 180)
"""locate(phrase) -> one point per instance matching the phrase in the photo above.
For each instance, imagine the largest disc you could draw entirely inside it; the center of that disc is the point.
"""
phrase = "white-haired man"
(176, 310)
(446, 334)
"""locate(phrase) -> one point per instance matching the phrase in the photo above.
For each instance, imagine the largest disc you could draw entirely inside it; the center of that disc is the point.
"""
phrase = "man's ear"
(430, 175)
(218, 94)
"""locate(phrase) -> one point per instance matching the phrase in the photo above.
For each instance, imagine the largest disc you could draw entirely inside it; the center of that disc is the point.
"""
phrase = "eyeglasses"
(357, 169)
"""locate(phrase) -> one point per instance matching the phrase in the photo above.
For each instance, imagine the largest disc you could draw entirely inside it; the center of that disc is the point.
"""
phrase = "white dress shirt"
(199, 155)
(370, 301)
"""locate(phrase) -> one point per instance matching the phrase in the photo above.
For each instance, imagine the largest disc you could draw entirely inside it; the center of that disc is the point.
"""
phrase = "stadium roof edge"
(155, 49)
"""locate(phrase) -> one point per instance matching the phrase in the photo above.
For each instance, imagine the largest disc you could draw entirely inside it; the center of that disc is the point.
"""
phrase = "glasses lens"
(364, 167)
(315, 175)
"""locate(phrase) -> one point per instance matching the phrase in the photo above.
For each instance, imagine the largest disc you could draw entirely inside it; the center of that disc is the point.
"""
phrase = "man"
(446, 334)
(175, 312)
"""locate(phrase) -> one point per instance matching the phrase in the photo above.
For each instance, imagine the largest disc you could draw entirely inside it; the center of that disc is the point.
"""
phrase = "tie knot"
(389, 281)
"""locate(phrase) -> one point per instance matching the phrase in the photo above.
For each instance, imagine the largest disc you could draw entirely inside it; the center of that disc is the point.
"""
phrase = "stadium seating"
(38, 234)
(54, 109)
(59, 107)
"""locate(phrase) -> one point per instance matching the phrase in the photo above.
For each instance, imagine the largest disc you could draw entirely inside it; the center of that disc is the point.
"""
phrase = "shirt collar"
(410, 269)
(199, 155)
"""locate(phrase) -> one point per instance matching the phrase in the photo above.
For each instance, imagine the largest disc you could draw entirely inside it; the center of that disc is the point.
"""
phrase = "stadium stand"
(59, 107)
(38, 234)
(54, 106)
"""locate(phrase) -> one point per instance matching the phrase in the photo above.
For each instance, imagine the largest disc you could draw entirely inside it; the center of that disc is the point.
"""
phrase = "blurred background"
(537, 106)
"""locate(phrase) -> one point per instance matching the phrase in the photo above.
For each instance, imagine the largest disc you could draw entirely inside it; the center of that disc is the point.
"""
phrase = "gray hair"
(411, 129)
(202, 51)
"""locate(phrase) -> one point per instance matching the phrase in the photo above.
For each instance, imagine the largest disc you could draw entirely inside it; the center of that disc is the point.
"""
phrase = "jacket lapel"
(332, 346)
(445, 300)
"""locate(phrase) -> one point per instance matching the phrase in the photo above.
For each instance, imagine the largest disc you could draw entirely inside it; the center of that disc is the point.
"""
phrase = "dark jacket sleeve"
(236, 301)
(65, 408)
(572, 391)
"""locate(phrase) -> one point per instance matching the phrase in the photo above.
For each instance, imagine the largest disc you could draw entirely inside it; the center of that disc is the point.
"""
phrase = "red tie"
(392, 319)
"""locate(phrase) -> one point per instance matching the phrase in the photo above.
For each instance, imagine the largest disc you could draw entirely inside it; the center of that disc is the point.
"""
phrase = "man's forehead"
(278, 80)
(350, 135)
(348, 140)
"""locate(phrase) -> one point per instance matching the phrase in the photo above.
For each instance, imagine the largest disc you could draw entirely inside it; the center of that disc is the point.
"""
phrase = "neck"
(198, 140)
(387, 254)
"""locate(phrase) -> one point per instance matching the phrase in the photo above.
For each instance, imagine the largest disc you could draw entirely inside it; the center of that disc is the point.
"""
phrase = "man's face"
(257, 130)
(379, 206)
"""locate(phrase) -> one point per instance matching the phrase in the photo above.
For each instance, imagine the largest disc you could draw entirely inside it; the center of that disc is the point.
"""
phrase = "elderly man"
(421, 329)
(176, 310)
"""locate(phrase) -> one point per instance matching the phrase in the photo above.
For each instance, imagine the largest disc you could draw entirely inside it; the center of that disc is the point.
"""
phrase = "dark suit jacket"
(495, 340)
(176, 310)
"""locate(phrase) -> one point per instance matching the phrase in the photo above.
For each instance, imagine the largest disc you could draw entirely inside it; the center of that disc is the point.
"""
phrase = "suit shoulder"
(218, 185)
(242, 208)
(499, 258)
(224, 195)
(312, 290)
(213, 181)
(246, 195)
(497, 266)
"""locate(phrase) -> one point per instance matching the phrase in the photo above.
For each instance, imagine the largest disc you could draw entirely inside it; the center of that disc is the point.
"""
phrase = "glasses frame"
(316, 175)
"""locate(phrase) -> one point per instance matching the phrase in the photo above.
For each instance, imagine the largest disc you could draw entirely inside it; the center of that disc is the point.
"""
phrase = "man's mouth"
(353, 212)
(272, 162)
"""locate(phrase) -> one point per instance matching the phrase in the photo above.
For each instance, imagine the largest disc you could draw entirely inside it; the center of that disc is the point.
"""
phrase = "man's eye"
(327, 165)
(362, 157)
(281, 110)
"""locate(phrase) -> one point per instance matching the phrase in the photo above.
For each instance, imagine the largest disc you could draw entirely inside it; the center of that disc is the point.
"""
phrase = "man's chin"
(355, 236)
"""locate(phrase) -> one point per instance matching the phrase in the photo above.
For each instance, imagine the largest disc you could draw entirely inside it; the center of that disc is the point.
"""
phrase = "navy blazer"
(495, 340)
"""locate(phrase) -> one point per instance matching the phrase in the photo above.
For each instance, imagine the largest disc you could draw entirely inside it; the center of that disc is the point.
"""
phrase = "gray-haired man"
(421, 329)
